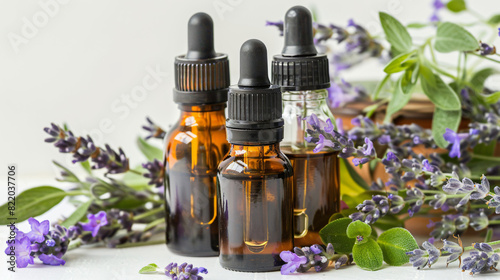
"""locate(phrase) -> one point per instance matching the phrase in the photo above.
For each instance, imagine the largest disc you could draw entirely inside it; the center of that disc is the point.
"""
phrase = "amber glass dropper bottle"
(254, 179)
(303, 76)
(196, 144)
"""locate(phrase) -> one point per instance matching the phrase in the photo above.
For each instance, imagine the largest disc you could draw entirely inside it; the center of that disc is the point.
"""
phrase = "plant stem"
(494, 222)
(75, 244)
(485, 57)
(486, 157)
(135, 172)
(489, 243)
(148, 213)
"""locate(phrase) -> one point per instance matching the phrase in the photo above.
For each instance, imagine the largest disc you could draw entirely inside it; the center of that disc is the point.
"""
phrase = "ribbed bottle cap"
(254, 105)
(202, 75)
(300, 67)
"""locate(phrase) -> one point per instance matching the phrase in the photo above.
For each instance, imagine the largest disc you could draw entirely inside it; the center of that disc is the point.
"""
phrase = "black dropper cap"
(254, 105)
(300, 67)
(202, 75)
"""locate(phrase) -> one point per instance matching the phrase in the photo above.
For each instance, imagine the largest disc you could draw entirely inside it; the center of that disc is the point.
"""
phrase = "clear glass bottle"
(254, 179)
(316, 175)
(196, 144)
(303, 76)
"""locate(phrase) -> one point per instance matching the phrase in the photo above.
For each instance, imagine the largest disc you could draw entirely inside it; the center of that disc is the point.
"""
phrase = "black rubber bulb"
(299, 39)
(253, 64)
(200, 37)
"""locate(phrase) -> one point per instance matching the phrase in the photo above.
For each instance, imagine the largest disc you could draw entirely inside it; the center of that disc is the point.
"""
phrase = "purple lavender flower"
(184, 271)
(454, 139)
(38, 230)
(454, 249)
(154, 130)
(485, 49)
(95, 222)
(478, 220)
(343, 92)
(293, 262)
(436, 5)
(481, 260)
(51, 260)
(494, 202)
(22, 251)
(420, 258)
(279, 24)
(156, 172)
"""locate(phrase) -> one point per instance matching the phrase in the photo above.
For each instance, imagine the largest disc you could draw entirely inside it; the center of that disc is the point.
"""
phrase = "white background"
(87, 56)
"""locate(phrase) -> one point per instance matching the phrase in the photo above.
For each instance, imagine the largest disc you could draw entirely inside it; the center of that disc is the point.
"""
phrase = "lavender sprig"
(303, 259)
(324, 136)
(481, 258)
(84, 149)
(154, 130)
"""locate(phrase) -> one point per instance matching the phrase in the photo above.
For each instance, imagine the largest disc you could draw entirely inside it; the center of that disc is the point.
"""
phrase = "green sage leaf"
(492, 98)
(395, 243)
(477, 80)
(358, 228)
(456, 6)
(441, 120)
(452, 37)
(335, 233)
(368, 255)
(442, 95)
(150, 268)
(494, 20)
(79, 213)
(396, 33)
(417, 25)
(397, 64)
(31, 203)
(397, 101)
(151, 152)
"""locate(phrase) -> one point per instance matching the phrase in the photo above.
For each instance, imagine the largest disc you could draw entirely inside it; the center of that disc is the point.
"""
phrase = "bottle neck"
(189, 108)
(266, 150)
(319, 95)
(210, 115)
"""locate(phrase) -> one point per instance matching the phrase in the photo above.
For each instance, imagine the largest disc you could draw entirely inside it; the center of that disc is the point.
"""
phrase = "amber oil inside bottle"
(255, 208)
(194, 147)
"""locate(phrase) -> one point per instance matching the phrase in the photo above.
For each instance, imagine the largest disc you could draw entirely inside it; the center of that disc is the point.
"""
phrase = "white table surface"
(95, 263)
(105, 263)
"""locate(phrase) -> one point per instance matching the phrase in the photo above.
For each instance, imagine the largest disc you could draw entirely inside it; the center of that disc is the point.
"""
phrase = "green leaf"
(150, 268)
(32, 202)
(151, 152)
(417, 25)
(396, 33)
(368, 255)
(456, 6)
(428, 75)
(441, 120)
(452, 37)
(494, 20)
(136, 181)
(478, 79)
(442, 95)
(396, 64)
(485, 150)
(387, 222)
(492, 98)
(358, 228)
(395, 243)
(355, 175)
(335, 233)
(86, 166)
(380, 86)
(67, 176)
(397, 101)
(77, 216)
